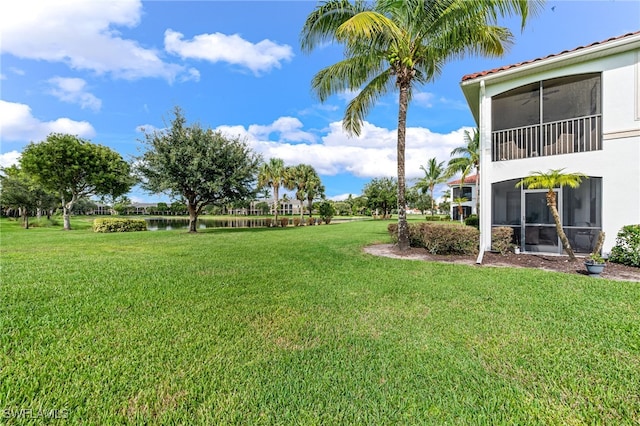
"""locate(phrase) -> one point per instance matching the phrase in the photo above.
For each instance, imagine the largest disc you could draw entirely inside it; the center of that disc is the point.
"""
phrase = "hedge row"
(119, 225)
(439, 238)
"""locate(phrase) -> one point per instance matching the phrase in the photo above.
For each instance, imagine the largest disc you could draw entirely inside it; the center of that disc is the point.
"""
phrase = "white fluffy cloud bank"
(233, 49)
(370, 155)
(18, 124)
(83, 35)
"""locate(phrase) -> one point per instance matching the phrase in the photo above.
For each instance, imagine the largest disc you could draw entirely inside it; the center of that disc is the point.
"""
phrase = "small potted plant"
(595, 264)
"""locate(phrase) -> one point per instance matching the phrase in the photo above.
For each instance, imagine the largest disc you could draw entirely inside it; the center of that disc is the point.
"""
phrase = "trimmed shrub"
(440, 238)
(433, 218)
(501, 237)
(267, 222)
(472, 220)
(119, 225)
(284, 222)
(311, 221)
(627, 248)
(326, 211)
(297, 221)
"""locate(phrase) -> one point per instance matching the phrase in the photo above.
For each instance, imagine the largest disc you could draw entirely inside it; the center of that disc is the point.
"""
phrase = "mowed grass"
(299, 326)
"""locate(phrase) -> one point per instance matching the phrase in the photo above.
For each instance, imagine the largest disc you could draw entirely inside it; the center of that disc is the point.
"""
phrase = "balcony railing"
(554, 138)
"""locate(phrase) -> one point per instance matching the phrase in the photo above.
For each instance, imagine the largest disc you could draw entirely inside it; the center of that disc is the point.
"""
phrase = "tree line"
(190, 163)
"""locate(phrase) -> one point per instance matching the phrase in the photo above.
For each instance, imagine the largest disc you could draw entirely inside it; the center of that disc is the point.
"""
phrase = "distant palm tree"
(551, 180)
(434, 174)
(314, 189)
(392, 44)
(301, 178)
(468, 161)
(272, 174)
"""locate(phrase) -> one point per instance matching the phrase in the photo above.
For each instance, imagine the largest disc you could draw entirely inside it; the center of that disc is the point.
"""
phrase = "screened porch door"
(539, 231)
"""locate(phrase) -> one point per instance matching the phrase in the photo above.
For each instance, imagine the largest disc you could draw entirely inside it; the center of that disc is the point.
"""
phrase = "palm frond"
(321, 24)
(360, 106)
(349, 74)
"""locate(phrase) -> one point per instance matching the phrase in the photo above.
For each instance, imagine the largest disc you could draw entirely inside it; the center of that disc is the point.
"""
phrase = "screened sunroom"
(549, 117)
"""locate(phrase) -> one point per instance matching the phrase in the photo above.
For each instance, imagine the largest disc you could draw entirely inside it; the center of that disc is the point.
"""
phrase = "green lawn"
(299, 326)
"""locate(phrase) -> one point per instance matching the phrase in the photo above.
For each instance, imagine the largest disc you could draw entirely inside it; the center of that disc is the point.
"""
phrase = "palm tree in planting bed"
(391, 44)
(551, 180)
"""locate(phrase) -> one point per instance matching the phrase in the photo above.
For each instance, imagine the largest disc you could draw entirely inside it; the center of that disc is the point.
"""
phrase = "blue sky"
(104, 70)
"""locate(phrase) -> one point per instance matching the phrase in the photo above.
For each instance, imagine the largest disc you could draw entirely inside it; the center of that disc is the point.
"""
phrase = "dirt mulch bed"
(612, 271)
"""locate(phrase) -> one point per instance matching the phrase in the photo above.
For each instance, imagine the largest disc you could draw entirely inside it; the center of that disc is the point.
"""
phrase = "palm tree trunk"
(403, 227)
(551, 203)
(276, 202)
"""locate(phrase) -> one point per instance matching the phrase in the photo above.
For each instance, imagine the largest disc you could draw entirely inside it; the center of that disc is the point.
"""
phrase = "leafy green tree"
(326, 211)
(391, 44)
(342, 208)
(272, 174)
(162, 208)
(201, 166)
(468, 161)
(19, 191)
(122, 205)
(382, 195)
(84, 205)
(418, 199)
(74, 168)
(551, 180)
(434, 174)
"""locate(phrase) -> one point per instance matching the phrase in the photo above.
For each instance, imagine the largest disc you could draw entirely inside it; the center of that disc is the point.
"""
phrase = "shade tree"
(198, 166)
(73, 168)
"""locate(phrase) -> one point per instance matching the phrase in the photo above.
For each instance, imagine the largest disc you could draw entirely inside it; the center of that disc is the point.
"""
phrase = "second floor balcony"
(554, 138)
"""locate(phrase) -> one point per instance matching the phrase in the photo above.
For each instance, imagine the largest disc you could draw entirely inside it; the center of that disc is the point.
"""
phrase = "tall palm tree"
(550, 180)
(272, 174)
(434, 174)
(392, 44)
(468, 160)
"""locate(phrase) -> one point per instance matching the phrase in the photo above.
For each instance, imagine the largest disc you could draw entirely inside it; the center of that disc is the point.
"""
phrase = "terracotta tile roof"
(507, 67)
(469, 179)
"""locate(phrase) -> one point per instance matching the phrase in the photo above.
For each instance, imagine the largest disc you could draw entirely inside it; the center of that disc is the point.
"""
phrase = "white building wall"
(618, 163)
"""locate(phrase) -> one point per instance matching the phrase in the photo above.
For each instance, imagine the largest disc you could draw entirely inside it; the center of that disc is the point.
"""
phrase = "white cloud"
(147, 128)
(9, 158)
(81, 34)
(289, 129)
(424, 99)
(17, 71)
(73, 90)
(370, 155)
(233, 49)
(17, 123)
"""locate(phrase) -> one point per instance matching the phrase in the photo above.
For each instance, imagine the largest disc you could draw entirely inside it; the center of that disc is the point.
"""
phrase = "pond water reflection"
(162, 224)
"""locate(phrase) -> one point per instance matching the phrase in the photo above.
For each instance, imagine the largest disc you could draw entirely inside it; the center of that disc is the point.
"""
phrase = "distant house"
(466, 190)
(287, 207)
(578, 110)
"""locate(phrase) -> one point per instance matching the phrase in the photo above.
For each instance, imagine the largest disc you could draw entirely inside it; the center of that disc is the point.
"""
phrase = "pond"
(166, 224)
